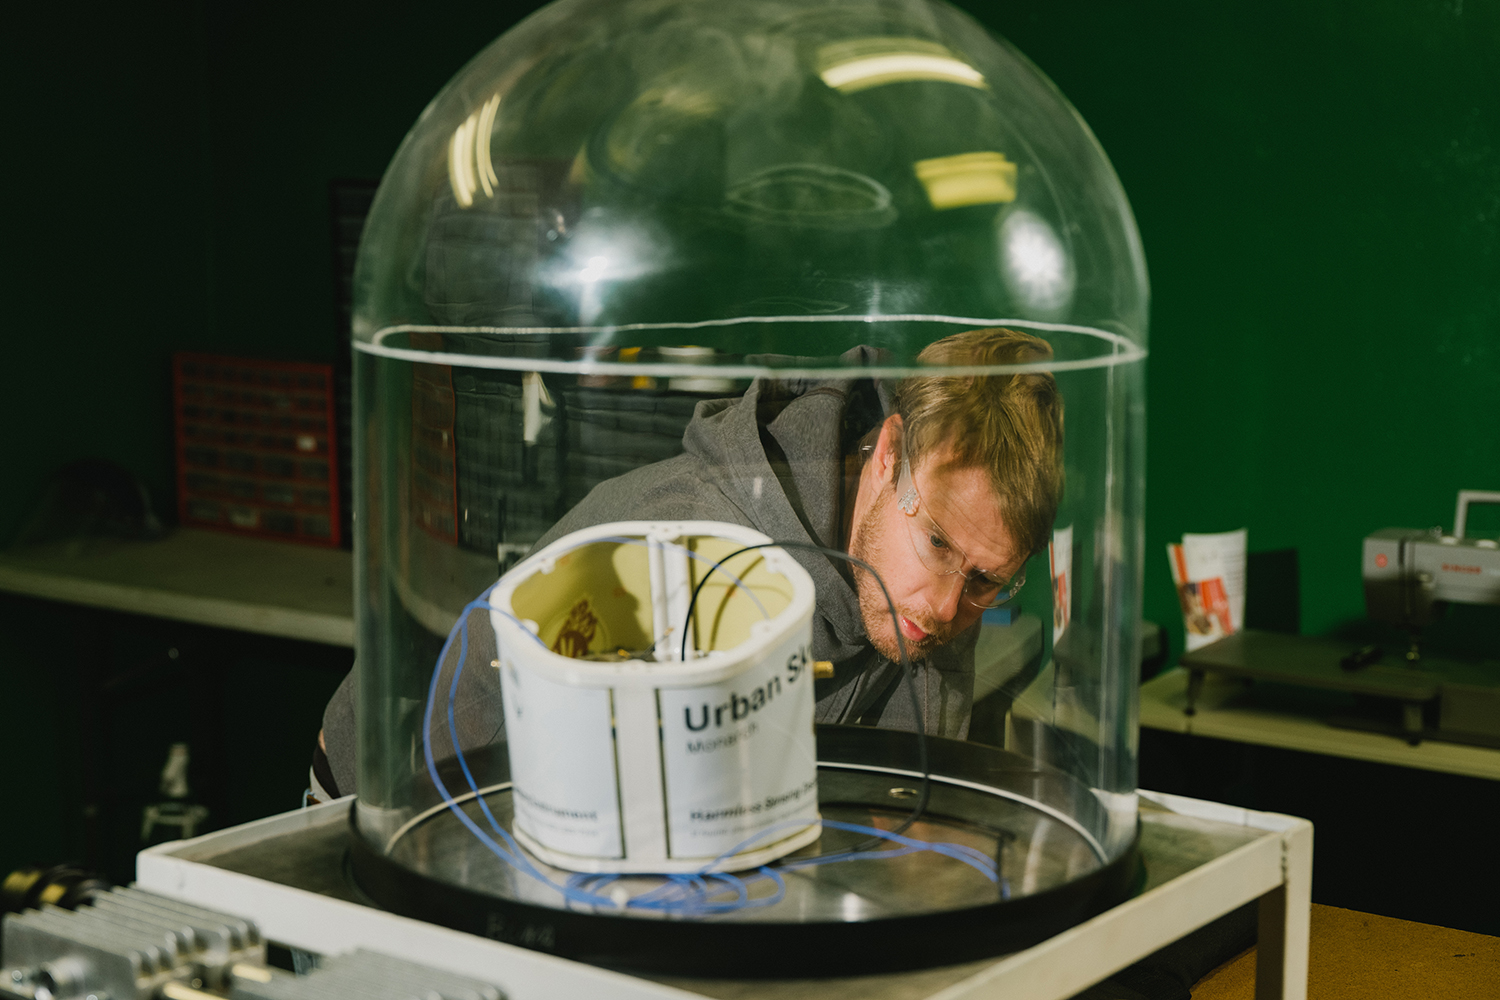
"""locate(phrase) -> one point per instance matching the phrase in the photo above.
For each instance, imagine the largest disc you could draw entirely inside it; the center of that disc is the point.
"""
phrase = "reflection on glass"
(862, 63)
(1035, 265)
(967, 179)
(469, 165)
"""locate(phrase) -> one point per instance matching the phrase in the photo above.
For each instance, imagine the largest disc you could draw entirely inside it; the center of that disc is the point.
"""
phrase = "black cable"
(906, 668)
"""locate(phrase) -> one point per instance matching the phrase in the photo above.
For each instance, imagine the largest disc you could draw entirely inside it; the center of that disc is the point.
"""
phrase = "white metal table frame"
(1274, 868)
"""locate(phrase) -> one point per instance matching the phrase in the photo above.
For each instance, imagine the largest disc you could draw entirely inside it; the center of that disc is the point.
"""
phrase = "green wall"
(1318, 190)
(1317, 186)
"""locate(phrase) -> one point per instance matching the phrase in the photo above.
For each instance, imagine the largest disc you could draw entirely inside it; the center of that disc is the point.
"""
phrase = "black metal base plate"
(839, 919)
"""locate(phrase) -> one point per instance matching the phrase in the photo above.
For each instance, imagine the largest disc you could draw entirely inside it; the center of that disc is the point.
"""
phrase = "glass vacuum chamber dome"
(723, 371)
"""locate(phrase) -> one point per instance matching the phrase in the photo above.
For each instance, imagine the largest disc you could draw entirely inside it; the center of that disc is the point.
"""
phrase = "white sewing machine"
(1410, 575)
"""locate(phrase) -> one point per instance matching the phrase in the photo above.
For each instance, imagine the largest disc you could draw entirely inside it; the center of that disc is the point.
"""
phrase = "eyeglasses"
(941, 556)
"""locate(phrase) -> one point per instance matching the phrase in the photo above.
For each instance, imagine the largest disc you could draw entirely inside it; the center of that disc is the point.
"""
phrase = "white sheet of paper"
(1221, 554)
(1060, 560)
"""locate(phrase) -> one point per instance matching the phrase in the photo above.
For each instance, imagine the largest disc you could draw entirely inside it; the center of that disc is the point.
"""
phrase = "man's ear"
(887, 456)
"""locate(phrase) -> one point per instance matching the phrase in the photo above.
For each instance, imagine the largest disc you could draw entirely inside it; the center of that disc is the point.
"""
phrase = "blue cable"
(690, 894)
(695, 901)
(515, 856)
(520, 863)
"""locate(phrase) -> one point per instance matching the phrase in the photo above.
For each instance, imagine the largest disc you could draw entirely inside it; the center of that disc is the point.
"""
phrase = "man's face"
(931, 608)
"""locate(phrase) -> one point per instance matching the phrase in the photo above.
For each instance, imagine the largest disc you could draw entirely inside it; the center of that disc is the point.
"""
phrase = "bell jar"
(749, 441)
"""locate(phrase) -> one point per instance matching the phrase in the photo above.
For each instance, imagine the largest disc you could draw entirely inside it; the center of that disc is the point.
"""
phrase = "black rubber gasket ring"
(767, 949)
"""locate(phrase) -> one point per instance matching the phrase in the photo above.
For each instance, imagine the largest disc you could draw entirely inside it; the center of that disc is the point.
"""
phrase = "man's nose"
(943, 596)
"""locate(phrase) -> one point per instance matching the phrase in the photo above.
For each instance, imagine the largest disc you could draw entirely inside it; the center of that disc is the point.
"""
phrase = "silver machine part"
(1466, 497)
(127, 946)
(1409, 575)
(136, 945)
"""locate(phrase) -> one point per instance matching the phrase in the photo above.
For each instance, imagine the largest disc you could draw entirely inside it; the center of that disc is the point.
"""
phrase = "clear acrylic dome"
(672, 264)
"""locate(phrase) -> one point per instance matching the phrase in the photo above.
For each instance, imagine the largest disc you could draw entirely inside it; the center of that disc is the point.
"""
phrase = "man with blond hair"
(957, 487)
(944, 484)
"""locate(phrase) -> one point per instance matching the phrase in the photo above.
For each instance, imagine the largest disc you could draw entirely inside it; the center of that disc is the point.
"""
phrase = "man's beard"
(869, 544)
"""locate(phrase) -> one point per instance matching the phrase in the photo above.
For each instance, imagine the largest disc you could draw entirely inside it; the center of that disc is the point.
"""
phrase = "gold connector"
(256, 973)
(181, 991)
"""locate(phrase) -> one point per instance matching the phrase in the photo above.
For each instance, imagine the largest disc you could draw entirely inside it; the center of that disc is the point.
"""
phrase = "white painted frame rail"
(1274, 868)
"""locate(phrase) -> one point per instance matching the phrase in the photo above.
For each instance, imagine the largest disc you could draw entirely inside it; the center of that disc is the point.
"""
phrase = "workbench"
(1225, 710)
(200, 577)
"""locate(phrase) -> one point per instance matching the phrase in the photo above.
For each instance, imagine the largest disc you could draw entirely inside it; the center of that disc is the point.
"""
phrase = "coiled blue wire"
(685, 894)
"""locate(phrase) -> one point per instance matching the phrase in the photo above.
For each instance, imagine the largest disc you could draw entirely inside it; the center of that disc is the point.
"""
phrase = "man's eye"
(936, 541)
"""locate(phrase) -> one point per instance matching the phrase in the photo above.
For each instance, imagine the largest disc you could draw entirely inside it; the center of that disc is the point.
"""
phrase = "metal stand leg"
(1194, 689)
(1285, 913)
(1411, 721)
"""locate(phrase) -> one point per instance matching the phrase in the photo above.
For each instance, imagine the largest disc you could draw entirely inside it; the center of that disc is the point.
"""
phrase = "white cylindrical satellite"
(626, 755)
